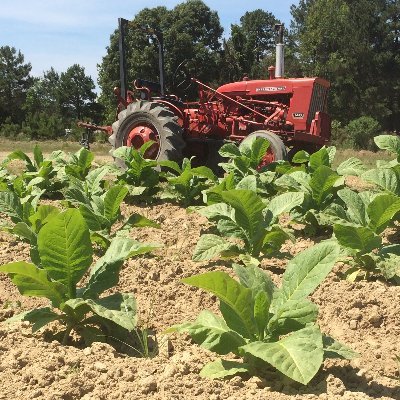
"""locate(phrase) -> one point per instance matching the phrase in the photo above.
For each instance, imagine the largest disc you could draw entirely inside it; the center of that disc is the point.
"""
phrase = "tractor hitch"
(87, 135)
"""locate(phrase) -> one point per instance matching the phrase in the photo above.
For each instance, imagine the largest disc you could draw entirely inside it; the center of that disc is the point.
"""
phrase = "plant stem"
(66, 334)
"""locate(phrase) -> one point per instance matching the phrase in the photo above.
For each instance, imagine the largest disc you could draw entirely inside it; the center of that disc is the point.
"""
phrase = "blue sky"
(59, 33)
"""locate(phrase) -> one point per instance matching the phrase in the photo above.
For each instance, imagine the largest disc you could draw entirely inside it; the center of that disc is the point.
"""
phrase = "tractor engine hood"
(269, 87)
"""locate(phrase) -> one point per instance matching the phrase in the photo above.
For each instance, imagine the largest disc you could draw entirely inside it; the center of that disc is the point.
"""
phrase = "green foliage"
(79, 164)
(42, 125)
(27, 219)
(251, 42)
(66, 255)
(9, 129)
(245, 166)
(256, 314)
(319, 183)
(351, 53)
(241, 215)
(39, 176)
(139, 173)
(361, 133)
(15, 80)
(102, 211)
(186, 184)
(76, 92)
(368, 254)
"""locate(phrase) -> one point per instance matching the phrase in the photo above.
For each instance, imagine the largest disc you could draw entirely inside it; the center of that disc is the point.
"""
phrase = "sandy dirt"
(364, 315)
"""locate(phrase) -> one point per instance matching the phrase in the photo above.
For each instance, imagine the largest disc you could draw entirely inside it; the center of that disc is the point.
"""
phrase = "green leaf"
(382, 210)
(38, 317)
(351, 166)
(319, 158)
(322, 184)
(262, 303)
(33, 282)
(248, 183)
(358, 238)
(299, 355)
(306, 271)
(292, 316)
(94, 221)
(210, 246)
(384, 178)
(92, 334)
(22, 230)
(254, 278)
(335, 349)
(138, 220)
(298, 181)
(283, 203)
(220, 369)
(112, 202)
(10, 205)
(301, 157)
(94, 178)
(356, 208)
(171, 165)
(105, 273)
(38, 156)
(211, 332)
(65, 249)
(119, 308)
(42, 215)
(236, 297)
(259, 148)
(204, 172)
(20, 155)
(388, 142)
(274, 239)
(247, 215)
(229, 150)
(85, 158)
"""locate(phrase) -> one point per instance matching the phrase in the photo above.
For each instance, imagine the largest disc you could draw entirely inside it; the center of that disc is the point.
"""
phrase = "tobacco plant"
(245, 166)
(264, 324)
(246, 225)
(65, 252)
(186, 184)
(27, 219)
(102, 212)
(137, 172)
(39, 177)
(79, 164)
(368, 254)
(320, 192)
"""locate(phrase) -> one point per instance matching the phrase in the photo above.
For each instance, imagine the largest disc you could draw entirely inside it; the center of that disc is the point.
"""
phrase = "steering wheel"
(182, 78)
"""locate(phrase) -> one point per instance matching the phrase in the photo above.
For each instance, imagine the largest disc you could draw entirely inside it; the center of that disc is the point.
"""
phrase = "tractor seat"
(154, 87)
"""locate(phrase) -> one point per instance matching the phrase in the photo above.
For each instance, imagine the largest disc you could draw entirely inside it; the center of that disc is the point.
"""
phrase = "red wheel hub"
(268, 158)
(142, 133)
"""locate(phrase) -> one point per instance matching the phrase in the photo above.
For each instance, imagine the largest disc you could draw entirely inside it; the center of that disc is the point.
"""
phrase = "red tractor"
(290, 113)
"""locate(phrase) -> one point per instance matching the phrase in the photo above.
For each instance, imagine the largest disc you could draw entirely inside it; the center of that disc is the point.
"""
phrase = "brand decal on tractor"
(270, 89)
(298, 115)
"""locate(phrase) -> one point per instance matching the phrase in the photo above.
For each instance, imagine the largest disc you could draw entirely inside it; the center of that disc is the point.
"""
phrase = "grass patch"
(51, 145)
(369, 158)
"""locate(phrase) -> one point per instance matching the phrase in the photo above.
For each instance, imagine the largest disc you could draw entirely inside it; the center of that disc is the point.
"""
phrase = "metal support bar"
(122, 24)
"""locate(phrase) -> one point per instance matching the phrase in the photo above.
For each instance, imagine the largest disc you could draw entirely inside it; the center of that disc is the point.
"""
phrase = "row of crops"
(69, 211)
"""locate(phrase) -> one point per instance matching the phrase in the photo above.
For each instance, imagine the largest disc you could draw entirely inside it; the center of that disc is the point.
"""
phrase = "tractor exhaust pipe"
(280, 52)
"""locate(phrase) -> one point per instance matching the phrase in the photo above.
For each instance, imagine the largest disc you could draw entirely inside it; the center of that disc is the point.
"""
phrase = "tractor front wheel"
(276, 150)
(143, 121)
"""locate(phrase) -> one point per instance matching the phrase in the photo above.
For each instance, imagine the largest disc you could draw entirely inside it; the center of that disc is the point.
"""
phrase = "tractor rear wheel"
(143, 121)
(276, 150)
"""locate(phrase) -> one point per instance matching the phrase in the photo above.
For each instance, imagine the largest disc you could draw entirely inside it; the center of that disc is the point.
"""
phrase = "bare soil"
(364, 315)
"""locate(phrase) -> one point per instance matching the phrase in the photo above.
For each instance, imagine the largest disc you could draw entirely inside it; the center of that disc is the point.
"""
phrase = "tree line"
(353, 44)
